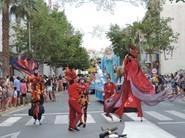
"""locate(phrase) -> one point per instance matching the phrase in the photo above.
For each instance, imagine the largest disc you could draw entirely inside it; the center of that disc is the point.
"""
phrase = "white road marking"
(90, 119)
(62, 113)
(178, 114)
(61, 119)
(171, 123)
(64, 119)
(114, 118)
(145, 129)
(158, 116)
(31, 121)
(12, 135)
(10, 121)
(134, 117)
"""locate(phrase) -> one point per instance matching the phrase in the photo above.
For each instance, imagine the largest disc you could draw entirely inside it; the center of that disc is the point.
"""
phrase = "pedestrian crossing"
(158, 116)
(61, 119)
(10, 121)
(178, 114)
(31, 121)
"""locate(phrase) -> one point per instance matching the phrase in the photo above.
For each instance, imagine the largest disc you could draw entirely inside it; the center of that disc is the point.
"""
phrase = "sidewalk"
(13, 109)
(21, 107)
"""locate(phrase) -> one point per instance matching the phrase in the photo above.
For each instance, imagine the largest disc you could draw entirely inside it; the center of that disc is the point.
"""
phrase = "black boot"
(84, 125)
(76, 129)
(80, 124)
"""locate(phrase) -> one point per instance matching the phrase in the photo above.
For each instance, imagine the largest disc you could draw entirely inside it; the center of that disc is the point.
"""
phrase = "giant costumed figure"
(109, 62)
(30, 67)
(135, 89)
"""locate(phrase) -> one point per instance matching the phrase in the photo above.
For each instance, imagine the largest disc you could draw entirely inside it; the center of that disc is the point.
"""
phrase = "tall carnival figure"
(137, 86)
(109, 62)
(75, 111)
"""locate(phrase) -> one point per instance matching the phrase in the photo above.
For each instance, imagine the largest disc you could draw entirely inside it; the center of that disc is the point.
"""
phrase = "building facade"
(175, 61)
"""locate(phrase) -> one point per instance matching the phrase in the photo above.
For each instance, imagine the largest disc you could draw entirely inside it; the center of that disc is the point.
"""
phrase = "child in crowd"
(15, 97)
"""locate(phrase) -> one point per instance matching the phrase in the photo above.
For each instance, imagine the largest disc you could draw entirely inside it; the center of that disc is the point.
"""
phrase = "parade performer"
(109, 62)
(70, 75)
(75, 111)
(37, 108)
(36, 85)
(109, 90)
(84, 100)
(137, 86)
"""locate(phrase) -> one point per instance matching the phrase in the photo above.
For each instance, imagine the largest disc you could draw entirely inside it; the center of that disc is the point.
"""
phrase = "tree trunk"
(5, 38)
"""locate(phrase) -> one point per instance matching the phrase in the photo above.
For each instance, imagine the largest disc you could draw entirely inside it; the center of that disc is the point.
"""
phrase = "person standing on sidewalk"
(17, 85)
(10, 90)
(23, 89)
(49, 88)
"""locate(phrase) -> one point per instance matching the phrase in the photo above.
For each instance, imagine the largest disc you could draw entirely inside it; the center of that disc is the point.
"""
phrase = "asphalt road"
(166, 120)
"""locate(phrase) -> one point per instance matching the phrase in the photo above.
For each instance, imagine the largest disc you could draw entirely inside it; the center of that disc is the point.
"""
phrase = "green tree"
(153, 34)
(158, 35)
(119, 39)
(5, 37)
(6, 5)
(54, 40)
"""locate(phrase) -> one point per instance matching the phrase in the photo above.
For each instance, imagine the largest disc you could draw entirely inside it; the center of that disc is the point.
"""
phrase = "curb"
(13, 109)
(19, 108)
(180, 100)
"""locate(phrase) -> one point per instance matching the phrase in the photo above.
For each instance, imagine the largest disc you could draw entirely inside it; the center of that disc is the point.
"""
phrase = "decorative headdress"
(133, 50)
(70, 74)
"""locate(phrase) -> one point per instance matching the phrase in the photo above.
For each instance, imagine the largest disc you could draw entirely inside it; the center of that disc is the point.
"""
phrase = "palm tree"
(5, 37)
(20, 8)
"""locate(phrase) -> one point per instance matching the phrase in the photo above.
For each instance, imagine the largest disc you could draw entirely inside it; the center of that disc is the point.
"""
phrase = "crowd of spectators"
(16, 91)
(175, 80)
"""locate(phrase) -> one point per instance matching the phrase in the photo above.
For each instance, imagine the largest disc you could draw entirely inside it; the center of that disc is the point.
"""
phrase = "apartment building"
(174, 62)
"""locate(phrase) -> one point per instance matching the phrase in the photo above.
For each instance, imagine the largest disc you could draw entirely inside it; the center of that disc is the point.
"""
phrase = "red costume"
(75, 111)
(134, 74)
(136, 88)
(109, 89)
(70, 74)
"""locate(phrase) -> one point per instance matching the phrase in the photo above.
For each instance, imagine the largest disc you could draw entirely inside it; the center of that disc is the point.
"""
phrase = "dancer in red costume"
(75, 111)
(136, 87)
(109, 90)
(134, 74)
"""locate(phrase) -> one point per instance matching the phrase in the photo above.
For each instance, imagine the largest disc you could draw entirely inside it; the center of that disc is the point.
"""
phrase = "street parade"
(64, 73)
